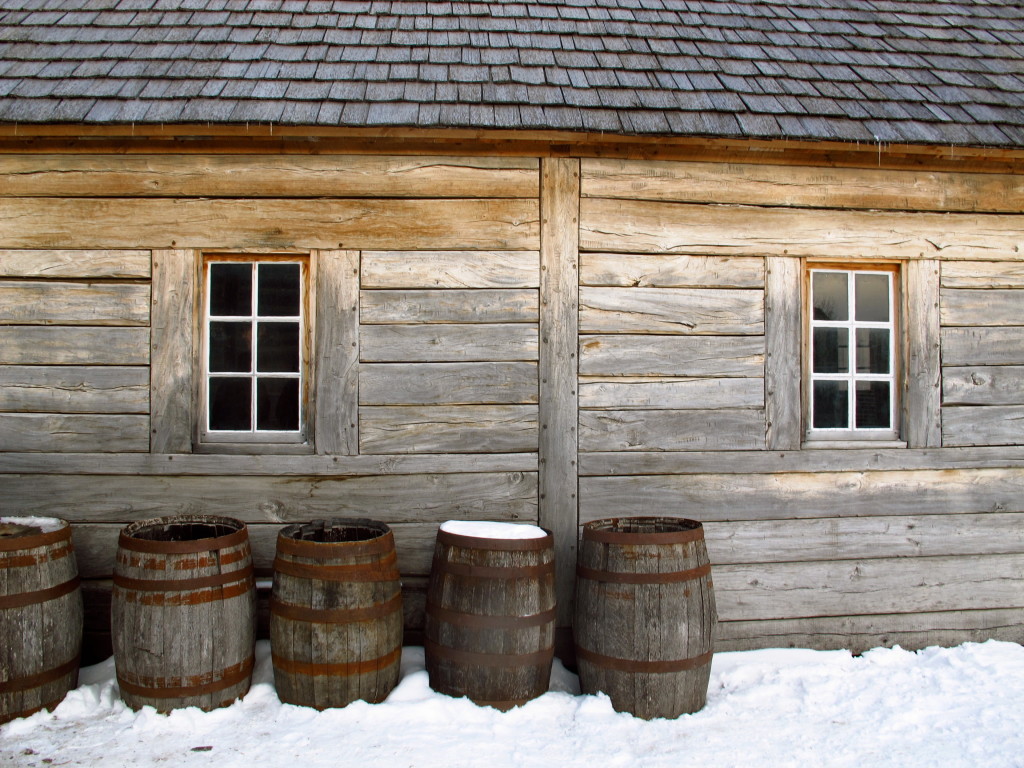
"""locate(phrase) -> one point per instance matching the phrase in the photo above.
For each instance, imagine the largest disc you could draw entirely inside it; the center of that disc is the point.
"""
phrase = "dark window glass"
(230, 347)
(277, 347)
(278, 290)
(831, 296)
(872, 350)
(230, 403)
(871, 295)
(830, 405)
(277, 404)
(873, 405)
(231, 290)
(831, 350)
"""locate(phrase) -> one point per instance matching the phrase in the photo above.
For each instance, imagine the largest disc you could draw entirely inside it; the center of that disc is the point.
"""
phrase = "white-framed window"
(852, 356)
(255, 349)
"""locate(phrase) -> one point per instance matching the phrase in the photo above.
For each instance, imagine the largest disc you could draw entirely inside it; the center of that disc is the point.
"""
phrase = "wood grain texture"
(801, 186)
(981, 307)
(449, 306)
(661, 394)
(629, 226)
(73, 345)
(31, 302)
(983, 274)
(668, 430)
(983, 425)
(74, 389)
(671, 311)
(463, 224)
(447, 383)
(983, 385)
(63, 264)
(649, 355)
(335, 395)
(448, 429)
(450, 269)
(983, 346)
(922, 422)
(173, 351)
(461, 342)
(75, 433)
(783, 340)
(641, 270)
(246, 175)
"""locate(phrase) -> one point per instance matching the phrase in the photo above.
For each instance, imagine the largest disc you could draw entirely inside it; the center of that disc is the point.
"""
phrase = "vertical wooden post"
(336, 390)
(172, 326)
(782, 340)
(559, 401)
(922, 403)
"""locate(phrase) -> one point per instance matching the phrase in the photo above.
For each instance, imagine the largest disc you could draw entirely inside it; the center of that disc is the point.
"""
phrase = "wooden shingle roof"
(938, 72)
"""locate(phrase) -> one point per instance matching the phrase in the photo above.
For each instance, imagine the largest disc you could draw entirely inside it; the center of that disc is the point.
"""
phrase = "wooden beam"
(981, 346)
(783, 340)
(708, 311)
(38, 302)
(73, 433)
(482, 305)
(670, 430)
(648, 392)
(74, 264)
(983, 425)
(922, 404)
(73, 345)
(650, 355)
(972, 307)
(460, 342)
(173, 351)
(660, 270)
(74, 389)
(335, 395)
(447, 383)
(449, 269)
(448, 429)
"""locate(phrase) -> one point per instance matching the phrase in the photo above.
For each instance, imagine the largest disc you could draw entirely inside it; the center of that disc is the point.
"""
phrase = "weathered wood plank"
(269, 499)
(983, 346)
(447, 383)
(794, 185)
(724, 496)
(463, 224)
(628, 226)
(74, 389)
(559, 406)
(922, 403)
(57, 433)
(450, 269)
(336, 360)
(73, 345)
(981, 307)
(648, 355)
(983, 274)
(662, 394)
(173, 340)
(983, 385)
(783, 340)
(295, 175)
(448, 429)
(668, 430)
(983, 425)
(449, 306)
(671, 271)
(31, 302)
(672, 311)
(447, 343)
(74, 264)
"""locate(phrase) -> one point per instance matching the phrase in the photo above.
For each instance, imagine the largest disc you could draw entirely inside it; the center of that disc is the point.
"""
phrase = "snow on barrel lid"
(483, 529)
(44, 524)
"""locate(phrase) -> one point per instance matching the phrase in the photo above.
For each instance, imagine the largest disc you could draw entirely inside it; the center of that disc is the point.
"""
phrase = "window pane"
(872, 298)
(231, 290)
(873, 405)
(831, 350)
(831, 405)
(230, 403)
(830, 295)
(872, 350)
(230, 347)
(277, 404)
(277, 346)
(278, 290)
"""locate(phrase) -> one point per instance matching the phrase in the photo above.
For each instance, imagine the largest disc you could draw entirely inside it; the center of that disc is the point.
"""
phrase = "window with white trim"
(851, 375)
(255, 356)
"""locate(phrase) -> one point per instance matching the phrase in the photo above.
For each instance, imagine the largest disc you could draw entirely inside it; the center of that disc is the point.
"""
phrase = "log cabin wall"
(538, 339)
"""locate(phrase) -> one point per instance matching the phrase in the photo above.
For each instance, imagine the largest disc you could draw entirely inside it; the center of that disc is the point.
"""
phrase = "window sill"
(248, 449)
(828, 444)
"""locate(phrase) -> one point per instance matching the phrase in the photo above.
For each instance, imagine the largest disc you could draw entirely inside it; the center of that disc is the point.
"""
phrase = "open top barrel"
(182, 613)
(490, 619)
(40, 615)
(336, 613)
(645, 614)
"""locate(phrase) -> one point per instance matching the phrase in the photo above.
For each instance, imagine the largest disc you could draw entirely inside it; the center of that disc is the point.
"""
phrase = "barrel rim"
(128, 540)
(609, 530)
(504, 545)
(41, 539)
(383, 541)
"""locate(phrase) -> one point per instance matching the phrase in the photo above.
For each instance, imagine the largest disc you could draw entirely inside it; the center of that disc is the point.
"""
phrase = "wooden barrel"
(182, 613)
(336, 613)
(645, 614)
(490, 619)
(40, 615)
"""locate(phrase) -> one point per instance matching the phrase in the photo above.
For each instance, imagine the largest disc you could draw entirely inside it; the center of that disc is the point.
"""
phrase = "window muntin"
(254, 349)
(852, 354)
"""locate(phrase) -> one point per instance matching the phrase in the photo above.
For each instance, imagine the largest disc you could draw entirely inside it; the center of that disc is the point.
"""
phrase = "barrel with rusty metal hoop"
(336, 613)
(182, 613)
(490, 617)
(645, 614)
(40, 615)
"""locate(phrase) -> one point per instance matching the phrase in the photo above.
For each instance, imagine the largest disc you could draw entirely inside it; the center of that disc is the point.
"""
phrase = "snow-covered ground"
(943, 707)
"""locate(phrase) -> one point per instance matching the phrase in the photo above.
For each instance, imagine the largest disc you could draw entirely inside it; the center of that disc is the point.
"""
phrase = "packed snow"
(44, 524)
(946, 707)
(484, 529)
